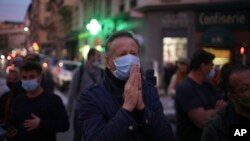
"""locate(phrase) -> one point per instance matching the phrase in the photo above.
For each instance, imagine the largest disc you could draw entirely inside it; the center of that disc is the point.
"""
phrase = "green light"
(81, 49)
(83, 35)
(100, 49)
(94, 27)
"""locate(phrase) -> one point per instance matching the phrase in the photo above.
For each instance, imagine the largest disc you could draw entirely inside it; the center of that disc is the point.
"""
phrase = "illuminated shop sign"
(221, 18)
(236, 20)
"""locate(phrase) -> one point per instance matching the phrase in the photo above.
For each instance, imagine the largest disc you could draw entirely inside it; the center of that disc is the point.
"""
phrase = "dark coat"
(218, 128)
(104, 119)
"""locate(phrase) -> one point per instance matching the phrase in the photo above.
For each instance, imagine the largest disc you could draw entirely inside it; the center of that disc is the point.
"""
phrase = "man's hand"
(131, 89)
(219, 105)
(32, 124)
(140, 104)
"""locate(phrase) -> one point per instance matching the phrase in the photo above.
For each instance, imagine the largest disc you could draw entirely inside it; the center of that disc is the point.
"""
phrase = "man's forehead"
(123, 40)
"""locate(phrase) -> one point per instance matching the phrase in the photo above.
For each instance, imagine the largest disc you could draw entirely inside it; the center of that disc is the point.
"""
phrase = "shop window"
(122, 6)
(222, 56)
(174, 48)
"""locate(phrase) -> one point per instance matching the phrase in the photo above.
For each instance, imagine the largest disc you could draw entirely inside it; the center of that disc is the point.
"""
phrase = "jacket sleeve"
(210, 132)
(95, 125)
(172, 86)
(156, 124)
(58, 120)
(73, 90)
(122, 124)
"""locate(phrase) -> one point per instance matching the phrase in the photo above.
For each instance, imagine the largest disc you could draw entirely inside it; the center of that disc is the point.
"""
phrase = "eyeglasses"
(245, 89)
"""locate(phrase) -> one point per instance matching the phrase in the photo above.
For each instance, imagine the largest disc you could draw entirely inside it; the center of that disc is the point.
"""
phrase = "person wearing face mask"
(237, 112)
(38, 115)
(46, 82)
(123, 106)
(196, 99)
(213, 76)
(83, 77)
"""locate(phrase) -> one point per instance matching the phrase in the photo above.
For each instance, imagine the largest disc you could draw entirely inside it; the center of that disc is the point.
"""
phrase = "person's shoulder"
(95, 93)
(93, 88)
(186, 89)
(186, 84)
(51, 95)
(19, 98)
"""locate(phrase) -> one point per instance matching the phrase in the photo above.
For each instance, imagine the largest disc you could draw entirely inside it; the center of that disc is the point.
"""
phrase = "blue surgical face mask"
(96, 63)
(30, 85)
(211, 74)
(123, 66)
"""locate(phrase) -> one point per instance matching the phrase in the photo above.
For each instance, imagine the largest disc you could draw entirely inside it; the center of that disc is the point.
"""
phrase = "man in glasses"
(236, 112)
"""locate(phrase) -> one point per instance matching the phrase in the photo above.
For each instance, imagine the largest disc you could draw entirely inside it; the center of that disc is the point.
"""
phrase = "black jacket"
(218, 128)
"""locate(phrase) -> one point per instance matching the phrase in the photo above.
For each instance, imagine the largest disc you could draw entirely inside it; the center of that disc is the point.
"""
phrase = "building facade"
(166, 29)
(12, 37)
(179, 29)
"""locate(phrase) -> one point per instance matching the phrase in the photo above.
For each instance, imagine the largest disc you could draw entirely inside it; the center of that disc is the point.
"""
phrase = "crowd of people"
(121, 102)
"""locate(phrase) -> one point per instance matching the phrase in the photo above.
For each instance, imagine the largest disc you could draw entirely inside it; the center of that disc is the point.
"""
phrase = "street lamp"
(26, 29)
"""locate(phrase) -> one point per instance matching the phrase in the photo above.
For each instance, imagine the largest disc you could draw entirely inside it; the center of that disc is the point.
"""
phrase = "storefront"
(168, 36)
(176, 31)
(222, 29)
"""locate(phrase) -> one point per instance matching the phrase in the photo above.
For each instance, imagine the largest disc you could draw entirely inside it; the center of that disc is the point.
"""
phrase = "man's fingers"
(34, 116)
(132, 76)
(139, 81)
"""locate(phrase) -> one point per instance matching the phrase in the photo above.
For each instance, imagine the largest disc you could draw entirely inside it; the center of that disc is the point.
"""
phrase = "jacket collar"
(114, 85)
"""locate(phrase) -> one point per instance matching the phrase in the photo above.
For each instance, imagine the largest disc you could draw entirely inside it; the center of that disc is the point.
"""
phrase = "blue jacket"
(104, 119)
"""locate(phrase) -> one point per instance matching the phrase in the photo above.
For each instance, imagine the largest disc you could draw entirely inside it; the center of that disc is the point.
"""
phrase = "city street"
(167, 103)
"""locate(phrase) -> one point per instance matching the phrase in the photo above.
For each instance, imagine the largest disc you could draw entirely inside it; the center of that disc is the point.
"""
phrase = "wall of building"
(12, 36)
(182, 21)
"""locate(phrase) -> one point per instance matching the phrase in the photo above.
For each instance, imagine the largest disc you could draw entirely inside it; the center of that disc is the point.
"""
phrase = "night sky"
(13, 10)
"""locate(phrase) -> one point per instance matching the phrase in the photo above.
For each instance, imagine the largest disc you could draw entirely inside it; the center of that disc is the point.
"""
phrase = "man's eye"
(244, 89)
(122, 54)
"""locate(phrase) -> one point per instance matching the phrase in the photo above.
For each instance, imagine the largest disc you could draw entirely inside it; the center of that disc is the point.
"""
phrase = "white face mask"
(123, 66)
